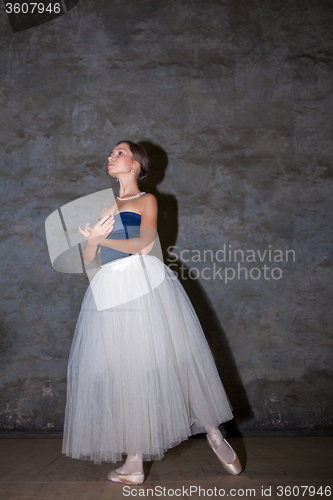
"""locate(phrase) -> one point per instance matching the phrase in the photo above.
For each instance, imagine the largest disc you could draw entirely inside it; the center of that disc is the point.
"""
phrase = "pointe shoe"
(132, 478)
(234, 467)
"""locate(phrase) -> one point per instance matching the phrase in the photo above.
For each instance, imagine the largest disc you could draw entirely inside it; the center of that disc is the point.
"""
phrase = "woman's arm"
(148, 230)
(89, 253)
(94, 235)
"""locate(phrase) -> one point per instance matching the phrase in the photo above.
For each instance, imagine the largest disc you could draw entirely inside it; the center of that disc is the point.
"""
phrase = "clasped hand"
(101, 230)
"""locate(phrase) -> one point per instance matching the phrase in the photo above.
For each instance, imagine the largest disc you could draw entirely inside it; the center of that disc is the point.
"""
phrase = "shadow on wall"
(216, 337)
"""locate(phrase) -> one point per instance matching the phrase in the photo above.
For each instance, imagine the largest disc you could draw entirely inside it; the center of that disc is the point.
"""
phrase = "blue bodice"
(127, 225)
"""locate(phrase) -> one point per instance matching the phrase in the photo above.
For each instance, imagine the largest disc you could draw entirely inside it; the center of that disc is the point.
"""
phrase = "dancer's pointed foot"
(234, 466)
(132, 478)
(131, 472)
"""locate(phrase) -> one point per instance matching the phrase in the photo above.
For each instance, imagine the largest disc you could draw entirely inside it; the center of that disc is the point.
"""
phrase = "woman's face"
(120, 160)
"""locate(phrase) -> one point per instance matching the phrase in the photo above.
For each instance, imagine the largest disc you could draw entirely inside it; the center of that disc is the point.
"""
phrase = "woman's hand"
(95, 235)
(86, 231)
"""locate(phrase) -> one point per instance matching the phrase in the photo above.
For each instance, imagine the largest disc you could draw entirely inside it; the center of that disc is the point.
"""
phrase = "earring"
(133, 171)
(117, 179)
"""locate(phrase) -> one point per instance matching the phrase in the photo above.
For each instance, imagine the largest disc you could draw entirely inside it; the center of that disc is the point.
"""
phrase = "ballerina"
(141, 377)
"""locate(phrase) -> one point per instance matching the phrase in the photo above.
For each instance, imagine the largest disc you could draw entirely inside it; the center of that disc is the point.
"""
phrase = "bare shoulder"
(149, 211)
(110, 209)
(149, 201)
(149, 205)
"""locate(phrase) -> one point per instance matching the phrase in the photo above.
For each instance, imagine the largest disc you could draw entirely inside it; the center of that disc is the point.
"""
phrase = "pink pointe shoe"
(132, 478)
(234, 467)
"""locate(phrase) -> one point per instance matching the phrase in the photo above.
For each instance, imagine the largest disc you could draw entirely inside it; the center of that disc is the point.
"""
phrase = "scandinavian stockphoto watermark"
(214, 491)
(239, 264)
(66, 243)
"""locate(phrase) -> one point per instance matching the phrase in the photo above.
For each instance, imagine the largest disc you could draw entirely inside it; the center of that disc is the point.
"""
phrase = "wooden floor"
(34, 468)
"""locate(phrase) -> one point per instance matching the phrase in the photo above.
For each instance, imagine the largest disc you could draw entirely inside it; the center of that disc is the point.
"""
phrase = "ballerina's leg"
(218, 441)
(133, 463)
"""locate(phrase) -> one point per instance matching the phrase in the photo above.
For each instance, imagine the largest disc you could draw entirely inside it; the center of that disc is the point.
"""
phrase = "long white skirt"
(141, 377)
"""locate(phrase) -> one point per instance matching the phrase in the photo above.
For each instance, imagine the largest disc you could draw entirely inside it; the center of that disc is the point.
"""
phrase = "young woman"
(141, 376)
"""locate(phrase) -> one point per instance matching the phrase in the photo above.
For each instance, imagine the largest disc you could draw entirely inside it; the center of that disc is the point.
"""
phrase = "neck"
(127, 188)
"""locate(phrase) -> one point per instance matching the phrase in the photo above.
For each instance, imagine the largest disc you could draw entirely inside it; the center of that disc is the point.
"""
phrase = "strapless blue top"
(127, 225)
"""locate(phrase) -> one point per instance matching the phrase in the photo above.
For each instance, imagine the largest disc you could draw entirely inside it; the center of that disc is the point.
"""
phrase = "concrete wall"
(234, 101)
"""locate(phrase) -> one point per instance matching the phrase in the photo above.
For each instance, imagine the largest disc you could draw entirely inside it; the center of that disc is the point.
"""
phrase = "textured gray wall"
(234, 100)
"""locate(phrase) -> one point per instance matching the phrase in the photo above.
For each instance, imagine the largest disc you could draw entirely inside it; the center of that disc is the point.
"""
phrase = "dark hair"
(141, 156)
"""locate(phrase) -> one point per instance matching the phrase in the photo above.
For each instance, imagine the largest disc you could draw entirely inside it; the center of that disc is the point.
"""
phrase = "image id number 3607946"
(32, 7)
(301, 491)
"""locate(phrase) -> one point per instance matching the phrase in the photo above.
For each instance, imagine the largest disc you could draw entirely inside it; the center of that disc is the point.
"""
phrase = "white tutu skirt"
(141, 377)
